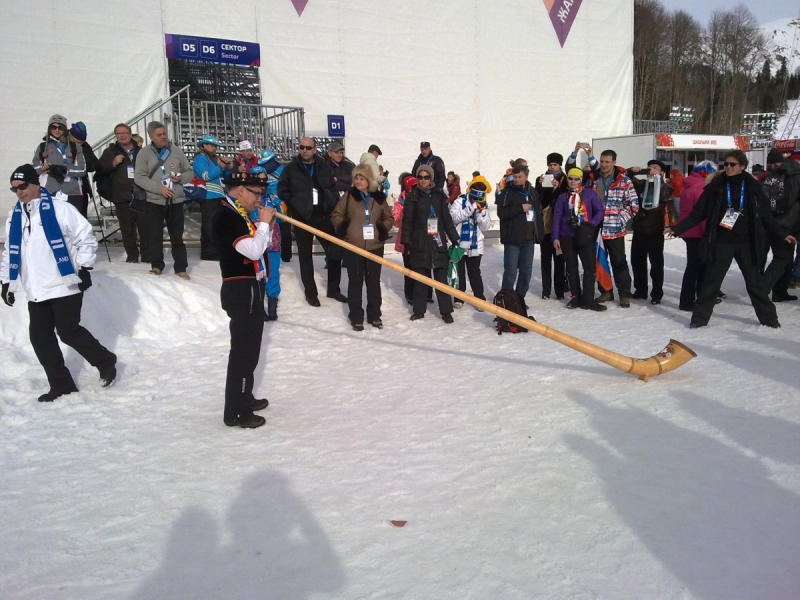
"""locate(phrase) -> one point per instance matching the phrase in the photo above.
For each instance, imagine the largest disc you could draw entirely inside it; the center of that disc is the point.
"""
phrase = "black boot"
(272, 308)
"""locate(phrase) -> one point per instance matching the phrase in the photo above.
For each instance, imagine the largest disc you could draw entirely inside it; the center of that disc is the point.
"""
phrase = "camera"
(574, 222)
(57, 172)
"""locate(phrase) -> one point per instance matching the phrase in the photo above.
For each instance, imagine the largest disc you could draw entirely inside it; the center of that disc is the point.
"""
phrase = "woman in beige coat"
(363, 218)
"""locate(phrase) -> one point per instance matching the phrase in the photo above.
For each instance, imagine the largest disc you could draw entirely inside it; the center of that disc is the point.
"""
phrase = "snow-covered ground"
(523, 469)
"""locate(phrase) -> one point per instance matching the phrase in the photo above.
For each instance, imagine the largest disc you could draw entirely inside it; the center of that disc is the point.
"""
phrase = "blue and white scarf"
(469, 227)
(55, 238)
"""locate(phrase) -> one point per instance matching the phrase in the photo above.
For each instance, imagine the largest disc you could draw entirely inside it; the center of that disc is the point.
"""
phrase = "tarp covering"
(483, 81)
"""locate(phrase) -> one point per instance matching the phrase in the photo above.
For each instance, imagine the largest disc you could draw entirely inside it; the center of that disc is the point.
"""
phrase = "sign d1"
(213, 50)
(336, 126)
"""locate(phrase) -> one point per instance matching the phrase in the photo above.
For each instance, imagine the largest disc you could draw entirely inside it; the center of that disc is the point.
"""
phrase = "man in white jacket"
(50, 250)
(370, 158)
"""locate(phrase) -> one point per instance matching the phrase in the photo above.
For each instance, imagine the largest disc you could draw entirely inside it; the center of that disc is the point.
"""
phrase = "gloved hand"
(8, 297)
(58, 172)
(86, 279)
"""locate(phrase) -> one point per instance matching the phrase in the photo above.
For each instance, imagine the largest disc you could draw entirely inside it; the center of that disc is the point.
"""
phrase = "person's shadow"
(110, 311)
(277, 550)
(711, 514)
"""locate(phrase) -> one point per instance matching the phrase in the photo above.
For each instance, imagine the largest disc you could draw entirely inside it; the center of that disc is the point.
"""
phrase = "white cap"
(245, 145)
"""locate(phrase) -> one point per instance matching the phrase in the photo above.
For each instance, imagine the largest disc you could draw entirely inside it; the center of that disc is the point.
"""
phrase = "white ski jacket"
(38, 272)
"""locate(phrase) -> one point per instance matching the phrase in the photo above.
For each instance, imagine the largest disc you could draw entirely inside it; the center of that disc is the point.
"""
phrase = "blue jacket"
(209, 171)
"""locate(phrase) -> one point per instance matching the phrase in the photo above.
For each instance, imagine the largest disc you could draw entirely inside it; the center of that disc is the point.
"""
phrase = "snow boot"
(272, 308)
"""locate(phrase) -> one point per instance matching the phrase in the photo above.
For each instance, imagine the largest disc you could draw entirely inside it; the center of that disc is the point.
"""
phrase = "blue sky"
(764, 10)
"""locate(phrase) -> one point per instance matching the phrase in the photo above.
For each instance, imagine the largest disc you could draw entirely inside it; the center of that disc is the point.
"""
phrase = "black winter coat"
(296, 184)
(790, 171)
(712, 205)
(514, 224)
(435, 163)
(121, 185)
(424, 250)
(343, 173)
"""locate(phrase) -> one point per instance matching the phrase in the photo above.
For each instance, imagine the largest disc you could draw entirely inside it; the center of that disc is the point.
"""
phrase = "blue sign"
(336, 126)
(213, 50)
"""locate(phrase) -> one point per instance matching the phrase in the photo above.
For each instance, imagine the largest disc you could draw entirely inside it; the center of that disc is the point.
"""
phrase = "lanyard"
(310, 170)
(428, 161)
(365, 198)
(607, 184)
(741, 198)
(62, 150)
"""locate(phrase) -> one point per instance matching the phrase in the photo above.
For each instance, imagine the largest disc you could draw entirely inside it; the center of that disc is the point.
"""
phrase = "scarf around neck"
(55, 238)
(258, 265)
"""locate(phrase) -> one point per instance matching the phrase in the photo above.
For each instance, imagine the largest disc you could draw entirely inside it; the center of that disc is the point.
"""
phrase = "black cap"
(374, 148)
(25, 173)
(774, 157)
(424, 144)
(659, 163)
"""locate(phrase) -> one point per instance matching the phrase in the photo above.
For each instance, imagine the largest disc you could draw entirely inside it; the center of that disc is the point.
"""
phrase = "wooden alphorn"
(671, 357)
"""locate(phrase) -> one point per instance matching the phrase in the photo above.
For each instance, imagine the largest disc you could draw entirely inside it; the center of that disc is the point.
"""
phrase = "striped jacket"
(621, 204)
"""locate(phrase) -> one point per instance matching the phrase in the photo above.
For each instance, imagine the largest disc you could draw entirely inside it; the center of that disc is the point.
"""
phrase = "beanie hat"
(25, 173)
(245, 145)
(58, 119)
(426, 168)
(409, 181)
(366, 173)
(78, 131)
(479, 179)
(775, 156)
(575, 172)
(555, 157)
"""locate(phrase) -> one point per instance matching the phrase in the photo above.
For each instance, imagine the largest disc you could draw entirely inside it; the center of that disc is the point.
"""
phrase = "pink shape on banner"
(562, 14)
(300, 6)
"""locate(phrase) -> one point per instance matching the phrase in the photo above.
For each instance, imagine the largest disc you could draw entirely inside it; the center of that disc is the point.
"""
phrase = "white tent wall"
(483, 81)
(81, 59)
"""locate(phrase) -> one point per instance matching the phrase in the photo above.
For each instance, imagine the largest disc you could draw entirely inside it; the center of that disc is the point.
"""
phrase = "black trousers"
(581, 247)
(778, 273)
(62, 316)
(286, 240)
(472, 266)
(131, 223)
(207, 210)
(305, 241)
(243, 301)
(553, 266)
(80, 202)
(644, 246)
(410, 284)
(754, 280)
(172, 216)
(421, 292)
(694, 275)
(362, 271)
(619, 266)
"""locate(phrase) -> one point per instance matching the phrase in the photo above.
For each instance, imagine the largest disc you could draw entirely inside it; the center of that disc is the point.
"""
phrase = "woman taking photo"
(578, 213)
(363, 218)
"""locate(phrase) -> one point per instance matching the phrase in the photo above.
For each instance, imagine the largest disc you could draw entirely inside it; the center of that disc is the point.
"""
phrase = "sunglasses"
(424, 177)
(731, 164)
(58, 127)
(574, 178)
(20, 188)
(306, 147)
(252, 191)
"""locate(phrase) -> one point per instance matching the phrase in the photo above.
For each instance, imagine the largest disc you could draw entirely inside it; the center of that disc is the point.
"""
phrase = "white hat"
(245, 145)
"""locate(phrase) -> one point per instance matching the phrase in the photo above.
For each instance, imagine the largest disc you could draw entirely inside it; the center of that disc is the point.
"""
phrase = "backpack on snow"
(510, 300)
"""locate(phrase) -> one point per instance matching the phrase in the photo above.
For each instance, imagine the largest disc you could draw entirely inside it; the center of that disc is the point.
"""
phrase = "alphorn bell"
(671, 357)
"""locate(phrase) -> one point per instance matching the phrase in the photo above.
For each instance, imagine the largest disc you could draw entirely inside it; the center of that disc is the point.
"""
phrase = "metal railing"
(172, 111)
(643, 126)
(276, 127)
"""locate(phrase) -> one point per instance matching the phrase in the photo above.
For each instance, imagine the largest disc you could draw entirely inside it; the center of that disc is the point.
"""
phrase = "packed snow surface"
(522, 468)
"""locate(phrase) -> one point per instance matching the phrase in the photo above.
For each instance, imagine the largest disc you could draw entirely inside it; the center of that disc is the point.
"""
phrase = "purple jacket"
(561, 213)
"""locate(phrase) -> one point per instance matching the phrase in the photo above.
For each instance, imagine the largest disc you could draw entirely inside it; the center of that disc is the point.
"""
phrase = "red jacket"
(692, 188)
